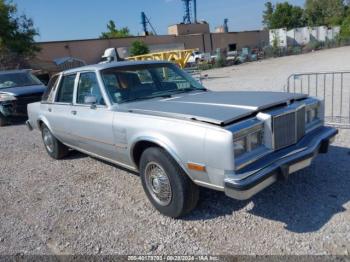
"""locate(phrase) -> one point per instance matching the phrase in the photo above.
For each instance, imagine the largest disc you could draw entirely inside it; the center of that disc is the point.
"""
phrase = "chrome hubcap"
(48, 140)
(158, 184)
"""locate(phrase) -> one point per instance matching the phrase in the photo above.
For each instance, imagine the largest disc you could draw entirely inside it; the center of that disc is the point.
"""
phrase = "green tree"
(283, 15)
(138, 48)
(114, 32)
(267, 15)
(324, 12)
(345, 29)
(16, 35)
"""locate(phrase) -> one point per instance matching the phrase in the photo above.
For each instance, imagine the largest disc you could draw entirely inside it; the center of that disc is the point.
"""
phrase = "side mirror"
(90, 100)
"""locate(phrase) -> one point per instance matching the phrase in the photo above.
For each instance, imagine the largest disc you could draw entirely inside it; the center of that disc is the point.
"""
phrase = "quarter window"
(50, 90)
(65, 93)
(89, 87)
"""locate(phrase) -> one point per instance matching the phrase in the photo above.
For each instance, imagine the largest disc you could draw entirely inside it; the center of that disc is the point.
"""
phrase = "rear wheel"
(3, 120)
(166, 185)
(54, 148)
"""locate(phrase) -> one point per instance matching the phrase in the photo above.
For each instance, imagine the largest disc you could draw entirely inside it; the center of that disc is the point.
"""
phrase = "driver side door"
(92, 124)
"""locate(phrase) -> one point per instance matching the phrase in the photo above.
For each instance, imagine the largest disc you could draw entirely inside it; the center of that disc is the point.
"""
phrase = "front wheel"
(166, 185)
(54, 148)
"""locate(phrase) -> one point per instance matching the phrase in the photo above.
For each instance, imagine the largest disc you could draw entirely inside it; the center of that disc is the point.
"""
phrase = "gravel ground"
(81, 205)
(84, 206)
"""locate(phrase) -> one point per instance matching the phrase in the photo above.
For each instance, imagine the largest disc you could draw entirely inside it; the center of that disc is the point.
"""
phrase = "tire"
(53, 147)
(3, 120)
(178, 194)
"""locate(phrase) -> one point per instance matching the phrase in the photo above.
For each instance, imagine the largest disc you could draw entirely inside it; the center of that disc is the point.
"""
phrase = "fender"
(43, 119)
(167, 146)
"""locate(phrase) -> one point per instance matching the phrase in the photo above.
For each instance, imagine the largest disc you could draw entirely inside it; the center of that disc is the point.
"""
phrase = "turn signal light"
(196, 167)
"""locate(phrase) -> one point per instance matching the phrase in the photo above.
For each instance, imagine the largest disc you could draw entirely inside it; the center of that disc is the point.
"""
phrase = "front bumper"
(279, 164)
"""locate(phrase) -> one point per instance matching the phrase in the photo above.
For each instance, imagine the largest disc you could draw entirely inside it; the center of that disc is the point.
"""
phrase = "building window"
(232, 47)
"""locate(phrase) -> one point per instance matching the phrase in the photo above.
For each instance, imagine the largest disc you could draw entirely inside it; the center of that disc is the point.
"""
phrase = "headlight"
(312, 112)
(248, 143)
(240, 147)
(256, 140)
(311, 115)
(7, 97)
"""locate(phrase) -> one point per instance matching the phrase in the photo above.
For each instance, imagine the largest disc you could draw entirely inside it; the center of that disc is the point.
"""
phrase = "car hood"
(24, 90)
(220, 108)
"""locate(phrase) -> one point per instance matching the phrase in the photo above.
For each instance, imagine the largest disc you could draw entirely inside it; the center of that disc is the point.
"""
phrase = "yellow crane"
(180, 57)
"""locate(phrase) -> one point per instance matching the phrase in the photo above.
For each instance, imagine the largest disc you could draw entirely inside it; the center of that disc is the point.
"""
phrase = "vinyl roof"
(99, 67)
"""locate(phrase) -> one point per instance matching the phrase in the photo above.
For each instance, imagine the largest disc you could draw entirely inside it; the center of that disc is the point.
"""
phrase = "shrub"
(138, 48)
(205, 66)
(312, 46)
(330, 43)
(220, 62)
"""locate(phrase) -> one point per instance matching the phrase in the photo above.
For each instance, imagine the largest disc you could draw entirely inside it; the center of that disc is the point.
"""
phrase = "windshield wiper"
(187, 90)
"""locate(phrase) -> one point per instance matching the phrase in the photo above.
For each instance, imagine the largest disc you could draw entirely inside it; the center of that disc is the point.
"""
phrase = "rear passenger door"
(92, 123)
(59, 112)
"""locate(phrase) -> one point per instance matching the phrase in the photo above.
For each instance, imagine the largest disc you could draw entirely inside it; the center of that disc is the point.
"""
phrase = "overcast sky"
(81, 19)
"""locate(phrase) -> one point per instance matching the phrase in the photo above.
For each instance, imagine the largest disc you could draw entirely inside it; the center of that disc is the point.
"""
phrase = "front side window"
(65, 92)
(138, 82)
(88, 88)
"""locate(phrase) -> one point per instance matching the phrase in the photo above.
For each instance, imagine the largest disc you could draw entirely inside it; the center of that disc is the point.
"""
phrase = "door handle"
(50, 110)
(74, 112)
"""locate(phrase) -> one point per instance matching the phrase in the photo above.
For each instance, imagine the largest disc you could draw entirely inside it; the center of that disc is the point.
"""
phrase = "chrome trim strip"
(131, 168)
(253, 108)
(92, 139)
(121, 146)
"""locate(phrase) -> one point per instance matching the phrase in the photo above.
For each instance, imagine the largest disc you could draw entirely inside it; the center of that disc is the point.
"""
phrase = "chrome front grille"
(288, 128)
(284, 130)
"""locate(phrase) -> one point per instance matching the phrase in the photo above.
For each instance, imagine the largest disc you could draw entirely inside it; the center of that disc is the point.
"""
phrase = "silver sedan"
(153, 118)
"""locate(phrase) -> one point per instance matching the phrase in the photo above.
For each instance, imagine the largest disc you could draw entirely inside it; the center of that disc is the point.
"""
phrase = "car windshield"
(8, 80)
(139, 82)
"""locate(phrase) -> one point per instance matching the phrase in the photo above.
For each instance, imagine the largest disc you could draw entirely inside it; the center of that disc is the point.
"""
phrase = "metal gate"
(195, 72)
(332, 87)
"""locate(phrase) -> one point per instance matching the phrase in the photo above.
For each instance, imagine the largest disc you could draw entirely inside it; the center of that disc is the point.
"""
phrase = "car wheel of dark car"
(166, 185)
(3, 120)
(54, 148)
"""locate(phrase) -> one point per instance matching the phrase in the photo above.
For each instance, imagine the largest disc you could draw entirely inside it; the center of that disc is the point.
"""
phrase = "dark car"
(18, 88)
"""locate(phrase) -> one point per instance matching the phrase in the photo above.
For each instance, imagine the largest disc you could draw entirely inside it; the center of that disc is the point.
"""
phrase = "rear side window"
(50, 90)
(65, 92)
